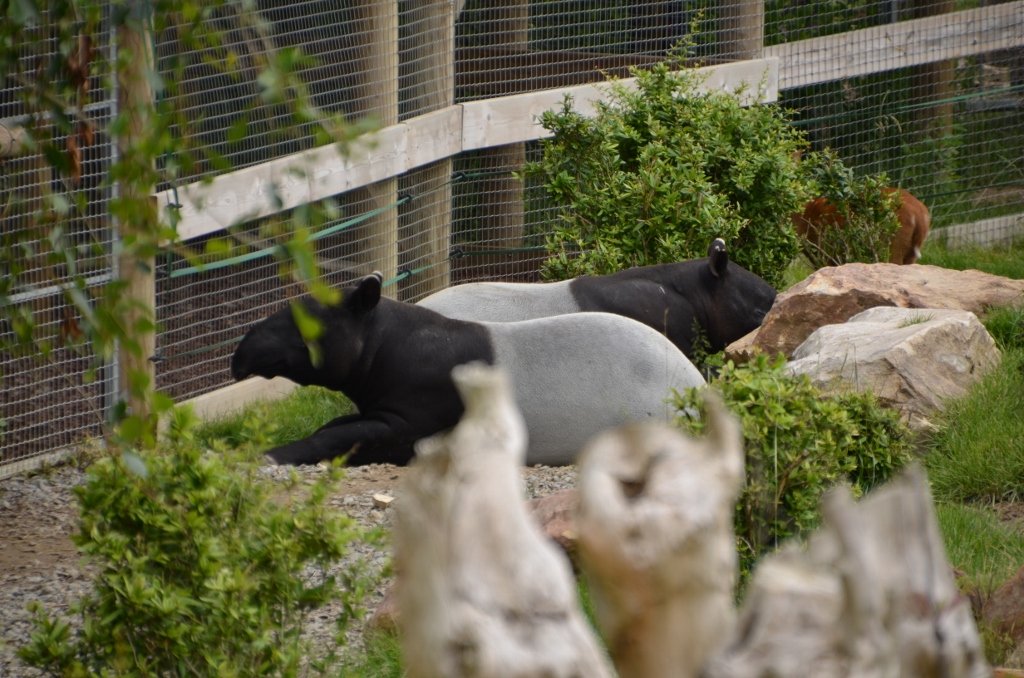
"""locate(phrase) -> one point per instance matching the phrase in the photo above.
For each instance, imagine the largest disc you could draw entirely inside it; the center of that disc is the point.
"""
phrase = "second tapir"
(724, 300)
(573, 376)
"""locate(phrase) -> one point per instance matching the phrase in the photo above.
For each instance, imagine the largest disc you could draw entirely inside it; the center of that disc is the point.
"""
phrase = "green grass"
(1007, 260)
(381, 657)
(978, 452)
(287, 420)
(988, 551)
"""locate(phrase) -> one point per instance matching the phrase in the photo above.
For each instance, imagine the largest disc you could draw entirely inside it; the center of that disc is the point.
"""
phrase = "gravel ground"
(38, 562)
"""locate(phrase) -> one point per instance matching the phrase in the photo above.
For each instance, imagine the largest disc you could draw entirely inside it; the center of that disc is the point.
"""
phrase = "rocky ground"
(38, 562)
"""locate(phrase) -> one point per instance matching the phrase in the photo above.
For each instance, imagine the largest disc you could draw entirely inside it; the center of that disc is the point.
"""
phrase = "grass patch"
(1006, 325)
(797, 271)
(915, 320)
(292, 418)
(988, 551)
(1007, 261)
(381, 658)
(978, 452)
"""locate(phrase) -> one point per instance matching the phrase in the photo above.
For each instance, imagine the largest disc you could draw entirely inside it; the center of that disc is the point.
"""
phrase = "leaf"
(134, 464)
(130, 429)
(24, 13)
(239, 129)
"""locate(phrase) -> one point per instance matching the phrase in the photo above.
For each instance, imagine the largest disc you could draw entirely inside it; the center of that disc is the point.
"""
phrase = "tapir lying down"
(726, 300)
(573, 376)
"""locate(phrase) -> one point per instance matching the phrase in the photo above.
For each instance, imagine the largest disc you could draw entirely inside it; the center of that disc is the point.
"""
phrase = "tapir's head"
(738, 299)
(276, 348)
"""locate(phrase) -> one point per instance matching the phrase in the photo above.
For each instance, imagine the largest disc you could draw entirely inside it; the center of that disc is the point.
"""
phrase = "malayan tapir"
(724, 299)
(573, 376)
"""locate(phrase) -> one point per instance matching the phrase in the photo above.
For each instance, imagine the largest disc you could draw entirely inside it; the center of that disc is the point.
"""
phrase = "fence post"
(934, 81)
(431, 59)
(508, 21)
(134, 60)
(377, 95)
(742, 29)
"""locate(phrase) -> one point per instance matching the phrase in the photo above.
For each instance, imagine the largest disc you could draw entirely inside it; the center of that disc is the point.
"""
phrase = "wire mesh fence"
(942, 118)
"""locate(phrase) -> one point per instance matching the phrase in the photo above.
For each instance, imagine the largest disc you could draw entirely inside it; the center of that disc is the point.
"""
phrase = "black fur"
(393, 360)
(726, 300)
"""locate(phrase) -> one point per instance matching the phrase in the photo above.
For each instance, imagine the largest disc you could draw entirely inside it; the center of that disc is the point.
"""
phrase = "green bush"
(662, 171)
(799, 442)
(865, 218)
(200, 570)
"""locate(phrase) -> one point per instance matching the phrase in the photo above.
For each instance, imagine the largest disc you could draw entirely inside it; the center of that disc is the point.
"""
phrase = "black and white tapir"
(725, 300)
(573, 376)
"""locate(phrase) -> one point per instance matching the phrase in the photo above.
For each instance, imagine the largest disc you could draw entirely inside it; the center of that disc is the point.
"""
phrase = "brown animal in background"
(906, 244)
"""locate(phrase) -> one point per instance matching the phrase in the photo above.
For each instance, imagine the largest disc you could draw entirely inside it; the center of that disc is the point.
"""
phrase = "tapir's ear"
(367, 293)
(718, 258)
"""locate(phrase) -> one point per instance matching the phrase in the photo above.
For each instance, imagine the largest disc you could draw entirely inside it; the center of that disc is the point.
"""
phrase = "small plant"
(798, 442)
(918, 319)
(864, 218)
(201, 573)
(662, 171)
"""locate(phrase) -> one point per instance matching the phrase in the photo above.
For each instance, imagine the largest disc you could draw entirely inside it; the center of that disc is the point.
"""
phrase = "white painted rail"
(898, 45)
(319, 173)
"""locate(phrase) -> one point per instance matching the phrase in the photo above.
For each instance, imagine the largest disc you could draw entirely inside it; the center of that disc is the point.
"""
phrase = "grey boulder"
(912, 359)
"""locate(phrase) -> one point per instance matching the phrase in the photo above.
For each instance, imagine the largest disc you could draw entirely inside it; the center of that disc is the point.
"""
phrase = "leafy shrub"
(200, 570)
(662, 171)
(798, 443)
(865, 219)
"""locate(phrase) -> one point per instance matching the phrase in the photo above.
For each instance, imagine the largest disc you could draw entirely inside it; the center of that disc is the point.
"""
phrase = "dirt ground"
(39, 537)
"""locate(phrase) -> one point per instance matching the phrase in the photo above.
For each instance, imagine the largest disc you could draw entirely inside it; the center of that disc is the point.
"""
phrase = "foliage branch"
(799, 442)
(664, 169)
(205, 569)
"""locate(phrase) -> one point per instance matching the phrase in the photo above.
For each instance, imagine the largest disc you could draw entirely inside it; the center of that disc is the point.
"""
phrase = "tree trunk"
(870, 595)
(483, 593)
(135, 99)
(656, 541)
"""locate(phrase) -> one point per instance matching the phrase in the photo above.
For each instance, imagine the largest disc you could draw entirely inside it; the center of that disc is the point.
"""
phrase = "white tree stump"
(656, 541)
(871, 595)
(483, 593)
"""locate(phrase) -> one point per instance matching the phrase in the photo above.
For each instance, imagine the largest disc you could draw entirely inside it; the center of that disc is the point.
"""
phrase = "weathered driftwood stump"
(871, 595)
(656, 541)
(483, 593)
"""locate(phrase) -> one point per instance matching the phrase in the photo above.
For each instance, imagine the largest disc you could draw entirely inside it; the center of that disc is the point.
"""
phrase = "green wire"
(266, 252)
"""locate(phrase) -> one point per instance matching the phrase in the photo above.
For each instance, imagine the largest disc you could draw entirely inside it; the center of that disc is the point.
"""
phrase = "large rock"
(912, 359)
(833, 295)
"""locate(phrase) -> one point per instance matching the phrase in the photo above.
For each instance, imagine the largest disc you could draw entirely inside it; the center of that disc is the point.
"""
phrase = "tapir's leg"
(368, 440)
(341, 421)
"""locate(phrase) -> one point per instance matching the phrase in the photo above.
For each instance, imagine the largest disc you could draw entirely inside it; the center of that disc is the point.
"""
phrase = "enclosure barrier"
(917, 88)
